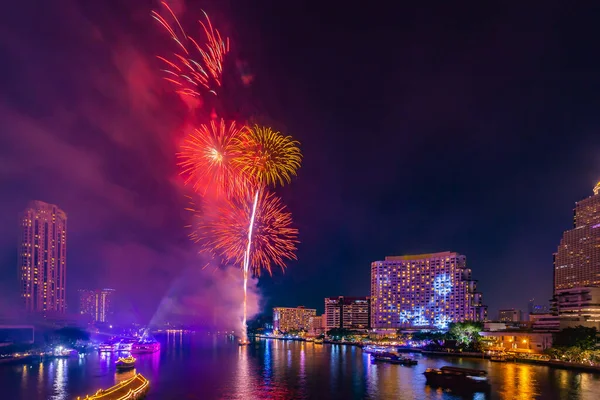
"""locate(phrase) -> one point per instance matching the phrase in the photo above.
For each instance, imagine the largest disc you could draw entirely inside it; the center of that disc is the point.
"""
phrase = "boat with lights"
(393, 358)
(145, 346)
(133, 388)
(107, 347)
(125, 363)
(458, 379)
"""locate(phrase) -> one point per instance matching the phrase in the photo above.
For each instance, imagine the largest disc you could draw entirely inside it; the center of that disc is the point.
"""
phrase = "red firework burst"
(206, 158)
(224, 231)
(193, 74)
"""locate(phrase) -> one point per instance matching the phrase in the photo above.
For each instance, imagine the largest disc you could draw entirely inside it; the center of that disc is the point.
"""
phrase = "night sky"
(423, 129)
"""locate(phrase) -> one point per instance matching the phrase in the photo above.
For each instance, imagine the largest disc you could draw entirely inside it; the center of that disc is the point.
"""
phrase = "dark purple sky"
(423, 129)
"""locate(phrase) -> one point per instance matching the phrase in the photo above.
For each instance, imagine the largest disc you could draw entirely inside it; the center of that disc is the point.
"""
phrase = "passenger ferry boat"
(107, 347)
(125, 363)
(147, 346)
(458, 379)
(130, 389)
(318, 341)
(393, 358)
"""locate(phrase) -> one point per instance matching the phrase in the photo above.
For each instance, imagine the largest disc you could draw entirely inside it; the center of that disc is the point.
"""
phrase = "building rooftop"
(441, 254)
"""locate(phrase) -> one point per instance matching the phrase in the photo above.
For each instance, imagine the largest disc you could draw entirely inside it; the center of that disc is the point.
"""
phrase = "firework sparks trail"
(188, 75)
(247, 266)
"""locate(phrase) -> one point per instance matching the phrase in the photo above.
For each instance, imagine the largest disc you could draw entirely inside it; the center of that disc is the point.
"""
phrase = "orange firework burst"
(207, 158)
(190, 75)
(266, 156)
(224, 231)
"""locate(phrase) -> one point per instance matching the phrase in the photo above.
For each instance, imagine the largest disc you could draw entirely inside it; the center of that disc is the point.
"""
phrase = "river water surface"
(203, 366)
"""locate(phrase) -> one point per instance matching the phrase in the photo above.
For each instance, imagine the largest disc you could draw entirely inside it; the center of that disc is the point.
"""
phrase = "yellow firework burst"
(266, 156)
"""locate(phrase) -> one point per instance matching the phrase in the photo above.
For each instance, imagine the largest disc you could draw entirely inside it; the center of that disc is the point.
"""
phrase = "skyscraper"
(425, 290)
(347, 312)
(96, 304)
(577, 260)
(42, 257)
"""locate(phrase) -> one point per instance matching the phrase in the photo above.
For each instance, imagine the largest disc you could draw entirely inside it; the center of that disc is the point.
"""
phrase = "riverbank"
(561, 364)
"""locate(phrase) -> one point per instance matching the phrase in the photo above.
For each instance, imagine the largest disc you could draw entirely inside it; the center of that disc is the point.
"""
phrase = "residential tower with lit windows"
(42, 260)
(96, 304)
(424, 291)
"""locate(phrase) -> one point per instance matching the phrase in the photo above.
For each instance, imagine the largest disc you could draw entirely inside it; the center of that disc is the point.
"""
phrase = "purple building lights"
(425, 290)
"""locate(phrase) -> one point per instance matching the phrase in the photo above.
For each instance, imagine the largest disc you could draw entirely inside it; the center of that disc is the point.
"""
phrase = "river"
(203, 366)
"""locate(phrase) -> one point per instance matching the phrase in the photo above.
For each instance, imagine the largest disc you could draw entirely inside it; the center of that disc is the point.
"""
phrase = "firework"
(206, 158)
(224, 230)
(197, 65)
(266, 156)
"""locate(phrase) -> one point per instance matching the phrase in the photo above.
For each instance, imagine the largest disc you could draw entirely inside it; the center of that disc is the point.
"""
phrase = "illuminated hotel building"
(425, 290)
(42, 258)
(347, 312)
(577, 261)
(287, 319)
(96, 304)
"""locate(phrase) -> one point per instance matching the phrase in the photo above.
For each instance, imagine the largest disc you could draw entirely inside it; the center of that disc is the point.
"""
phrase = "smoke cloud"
(88, 126)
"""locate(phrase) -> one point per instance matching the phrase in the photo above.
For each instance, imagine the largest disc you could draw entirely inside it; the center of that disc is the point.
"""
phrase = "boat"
(125, 363)
(147, 346)
(375, 349)
(61, 352)
(393, 358)
(501, 357)
(129, 389)
(107, 347)
(458, 379)
(244, 342)
(318, 341)
(125, 345)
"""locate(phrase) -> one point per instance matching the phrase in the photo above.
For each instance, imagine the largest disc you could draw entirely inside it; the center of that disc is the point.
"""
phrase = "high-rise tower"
(577, 260)
(43, 257)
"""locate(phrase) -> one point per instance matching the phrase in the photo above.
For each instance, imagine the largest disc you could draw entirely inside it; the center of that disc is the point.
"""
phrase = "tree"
(466, 333)
(340, 332)
(580, 336)
(70, 335)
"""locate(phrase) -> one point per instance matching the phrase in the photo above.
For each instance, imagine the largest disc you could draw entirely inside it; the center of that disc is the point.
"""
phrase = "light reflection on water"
(210, 367)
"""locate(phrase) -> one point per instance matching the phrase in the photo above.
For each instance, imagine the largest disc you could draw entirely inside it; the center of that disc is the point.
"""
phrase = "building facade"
(286, 319)
(578, 306)
(317, 325)
(425, 290)
(509, 315)
(96, 304)
(42, 260)
(577, 260)
(348, 312)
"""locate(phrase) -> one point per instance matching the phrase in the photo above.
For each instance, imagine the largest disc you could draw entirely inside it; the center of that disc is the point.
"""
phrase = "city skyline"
(445, 155)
